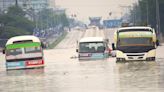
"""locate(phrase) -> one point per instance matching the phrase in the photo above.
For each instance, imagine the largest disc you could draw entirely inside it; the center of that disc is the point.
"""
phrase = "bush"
(15, 23)
(10, 31)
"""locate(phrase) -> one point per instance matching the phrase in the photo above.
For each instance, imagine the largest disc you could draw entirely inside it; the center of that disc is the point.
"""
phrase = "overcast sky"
(85, 8)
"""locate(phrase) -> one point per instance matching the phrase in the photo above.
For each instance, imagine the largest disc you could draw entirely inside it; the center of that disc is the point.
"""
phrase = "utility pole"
(157, 20)
(3, 5)
(147, 9)
(16, 2)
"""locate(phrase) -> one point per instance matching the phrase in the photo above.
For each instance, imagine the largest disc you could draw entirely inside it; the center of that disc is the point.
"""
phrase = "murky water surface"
(65, 74)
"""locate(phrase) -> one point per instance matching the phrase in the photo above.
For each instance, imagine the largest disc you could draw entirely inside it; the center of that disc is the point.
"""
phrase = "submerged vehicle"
(135, 43)
(23, 52)
(93, 48)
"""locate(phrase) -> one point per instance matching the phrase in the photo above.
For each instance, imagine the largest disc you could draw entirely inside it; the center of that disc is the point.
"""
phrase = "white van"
(93, 48)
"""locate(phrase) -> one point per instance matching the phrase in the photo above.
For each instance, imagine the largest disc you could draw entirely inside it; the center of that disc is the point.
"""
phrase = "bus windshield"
(135, 42)
(92, 47)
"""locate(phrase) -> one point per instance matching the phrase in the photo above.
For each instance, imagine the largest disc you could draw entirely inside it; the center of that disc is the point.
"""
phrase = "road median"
(53, 43)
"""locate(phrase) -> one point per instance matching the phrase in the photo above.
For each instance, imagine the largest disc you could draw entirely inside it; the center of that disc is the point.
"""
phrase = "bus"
(93, 48)
(135, 43)
(23, 52)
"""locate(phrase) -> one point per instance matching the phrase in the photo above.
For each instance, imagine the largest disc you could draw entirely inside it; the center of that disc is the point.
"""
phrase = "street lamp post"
(3, 5)
(16, 2)
(147, 9)
(157, 20)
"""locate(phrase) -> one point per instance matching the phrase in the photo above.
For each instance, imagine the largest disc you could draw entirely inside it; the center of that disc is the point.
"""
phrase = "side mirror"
(113, 46)
(3, 51)
(43, 45)
(77, 50)
(157, 42)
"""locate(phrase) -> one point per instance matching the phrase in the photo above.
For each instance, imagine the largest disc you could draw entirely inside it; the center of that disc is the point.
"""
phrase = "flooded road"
(63, 72)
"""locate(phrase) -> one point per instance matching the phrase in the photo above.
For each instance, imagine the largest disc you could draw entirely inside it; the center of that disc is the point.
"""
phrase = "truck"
(93, 48)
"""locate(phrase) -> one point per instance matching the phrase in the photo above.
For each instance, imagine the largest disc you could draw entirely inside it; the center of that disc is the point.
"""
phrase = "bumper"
(92, 56)
(147, 56)
(24, 64)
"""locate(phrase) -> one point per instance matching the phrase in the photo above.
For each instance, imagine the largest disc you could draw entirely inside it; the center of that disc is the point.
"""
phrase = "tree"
(15, 23)
(15, 11)
(148, 13)
(49, 18)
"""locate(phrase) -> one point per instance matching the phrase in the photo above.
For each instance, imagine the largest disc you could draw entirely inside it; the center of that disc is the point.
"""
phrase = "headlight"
(120, 59)
(150, 59)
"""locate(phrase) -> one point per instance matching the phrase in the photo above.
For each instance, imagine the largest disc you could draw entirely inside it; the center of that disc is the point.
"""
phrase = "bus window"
(14, 51)
(101, 49)
(93, 47)
(32, 50)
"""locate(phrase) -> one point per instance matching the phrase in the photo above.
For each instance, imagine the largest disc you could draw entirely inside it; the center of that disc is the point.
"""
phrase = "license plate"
(85, 55)
(34, 62)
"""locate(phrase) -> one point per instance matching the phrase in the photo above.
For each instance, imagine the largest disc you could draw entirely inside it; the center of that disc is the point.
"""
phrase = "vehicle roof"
(92, 39)
(21, 38)
(136, 27)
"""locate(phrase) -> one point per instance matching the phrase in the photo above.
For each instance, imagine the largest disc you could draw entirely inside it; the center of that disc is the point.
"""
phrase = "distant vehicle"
(135, 43)
(93, 27)
(77, 28)
(93, 48)
(23, 52)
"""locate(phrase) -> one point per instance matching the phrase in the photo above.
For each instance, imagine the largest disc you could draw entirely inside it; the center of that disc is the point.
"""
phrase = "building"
(25, 4)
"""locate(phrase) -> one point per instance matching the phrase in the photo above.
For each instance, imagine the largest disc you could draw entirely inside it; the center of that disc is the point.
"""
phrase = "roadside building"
(24, 4)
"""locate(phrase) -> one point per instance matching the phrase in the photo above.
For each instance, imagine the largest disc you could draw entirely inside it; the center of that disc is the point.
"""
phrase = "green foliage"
(64, 20)
(147, 8)
(15, 23)
(49, 18)
(22, 23)
(58, 40)
(15, 11)
(9, 31)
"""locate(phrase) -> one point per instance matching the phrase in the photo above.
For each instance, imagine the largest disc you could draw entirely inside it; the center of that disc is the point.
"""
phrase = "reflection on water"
(161, 74)
(23, 80)
(138, 77)
(24, 72)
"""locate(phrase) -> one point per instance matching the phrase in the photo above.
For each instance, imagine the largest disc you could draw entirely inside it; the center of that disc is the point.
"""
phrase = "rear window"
(14, 51)
(128, 30)
(32, 49)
